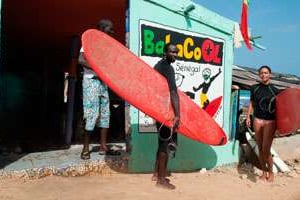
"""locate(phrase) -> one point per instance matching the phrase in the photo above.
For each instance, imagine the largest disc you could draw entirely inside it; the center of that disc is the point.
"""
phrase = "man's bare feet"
(154, 178)
(163, 183)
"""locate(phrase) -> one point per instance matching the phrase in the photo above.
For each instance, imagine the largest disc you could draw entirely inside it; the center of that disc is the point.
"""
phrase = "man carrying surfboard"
(95, 99)
(167, 138)
(263, 106)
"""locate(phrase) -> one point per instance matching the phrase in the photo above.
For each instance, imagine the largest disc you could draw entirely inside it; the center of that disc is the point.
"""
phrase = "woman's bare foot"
(263, 177)
(270, 178)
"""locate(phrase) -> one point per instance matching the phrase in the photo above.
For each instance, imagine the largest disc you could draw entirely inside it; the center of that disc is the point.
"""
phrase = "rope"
(171, 129)
(268, 105)
(165, 139)
(271, 100)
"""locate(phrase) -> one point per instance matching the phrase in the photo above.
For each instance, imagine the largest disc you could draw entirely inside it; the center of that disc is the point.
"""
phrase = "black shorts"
(164, 138)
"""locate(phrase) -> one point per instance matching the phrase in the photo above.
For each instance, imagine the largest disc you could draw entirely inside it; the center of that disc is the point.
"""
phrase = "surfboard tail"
(287, 114)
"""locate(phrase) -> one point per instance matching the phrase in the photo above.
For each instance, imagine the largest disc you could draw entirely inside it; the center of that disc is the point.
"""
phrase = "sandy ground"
(221, 183)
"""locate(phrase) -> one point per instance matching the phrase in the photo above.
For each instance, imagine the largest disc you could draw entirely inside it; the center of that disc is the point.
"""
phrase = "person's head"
(264, 73)
(170, 52)
(206, 74)
(106, 26)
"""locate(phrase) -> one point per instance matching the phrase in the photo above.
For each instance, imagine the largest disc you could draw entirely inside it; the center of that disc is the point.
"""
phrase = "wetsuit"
(165, 69)
(263, 99)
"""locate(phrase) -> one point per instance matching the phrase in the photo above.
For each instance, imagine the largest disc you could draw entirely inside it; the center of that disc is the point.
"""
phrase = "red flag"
(244, 24)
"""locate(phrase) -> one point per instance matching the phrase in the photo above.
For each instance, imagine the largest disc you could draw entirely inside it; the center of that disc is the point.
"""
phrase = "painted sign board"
(199, 68)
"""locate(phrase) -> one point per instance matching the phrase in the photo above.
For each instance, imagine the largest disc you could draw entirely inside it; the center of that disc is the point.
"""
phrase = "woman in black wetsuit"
(262, 103)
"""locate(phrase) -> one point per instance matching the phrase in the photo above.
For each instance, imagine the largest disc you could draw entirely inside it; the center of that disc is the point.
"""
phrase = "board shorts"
(203, 99)
(164, 134)
(96, 110)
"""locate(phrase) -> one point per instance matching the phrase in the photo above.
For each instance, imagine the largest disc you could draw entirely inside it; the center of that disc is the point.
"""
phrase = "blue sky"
(278, 22)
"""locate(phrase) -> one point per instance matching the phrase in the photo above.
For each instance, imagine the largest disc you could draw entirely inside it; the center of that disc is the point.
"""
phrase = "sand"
(220, 183)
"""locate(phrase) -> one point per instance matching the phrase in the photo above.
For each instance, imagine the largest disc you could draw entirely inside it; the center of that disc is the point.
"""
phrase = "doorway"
(36, 51)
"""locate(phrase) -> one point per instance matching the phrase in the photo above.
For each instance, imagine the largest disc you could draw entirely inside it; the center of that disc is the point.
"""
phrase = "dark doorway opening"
(36, 51)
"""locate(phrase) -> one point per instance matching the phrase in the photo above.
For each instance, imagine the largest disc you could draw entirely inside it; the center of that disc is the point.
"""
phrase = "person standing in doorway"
(167, 138)
(262, 103)
(96, 111)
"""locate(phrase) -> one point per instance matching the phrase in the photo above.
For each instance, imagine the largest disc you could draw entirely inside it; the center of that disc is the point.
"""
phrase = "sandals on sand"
(85, 155)
(110, 152)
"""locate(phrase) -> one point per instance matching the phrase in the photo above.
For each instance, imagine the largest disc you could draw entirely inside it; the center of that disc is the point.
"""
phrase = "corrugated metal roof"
(244, 77)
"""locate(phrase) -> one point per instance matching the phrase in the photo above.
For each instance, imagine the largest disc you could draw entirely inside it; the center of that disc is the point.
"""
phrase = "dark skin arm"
(215, 76)
(198, 88)
(175, 104)
(82, 61)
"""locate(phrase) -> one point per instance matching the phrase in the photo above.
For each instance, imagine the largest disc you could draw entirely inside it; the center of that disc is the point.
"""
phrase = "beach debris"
(244, 176)
(292, 174)
(202, 171)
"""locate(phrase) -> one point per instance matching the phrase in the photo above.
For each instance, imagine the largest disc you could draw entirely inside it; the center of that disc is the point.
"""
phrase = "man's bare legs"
(155, 173)
(103, 140)
(85, 153)
(162, 170)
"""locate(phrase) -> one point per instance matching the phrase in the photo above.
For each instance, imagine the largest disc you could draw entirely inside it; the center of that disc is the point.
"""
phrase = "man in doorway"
(167, 138)
(96, 110)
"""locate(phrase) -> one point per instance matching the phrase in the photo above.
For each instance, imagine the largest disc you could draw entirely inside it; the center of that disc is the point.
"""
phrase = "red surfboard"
(287, 111)
(143, 87)
(213, 106)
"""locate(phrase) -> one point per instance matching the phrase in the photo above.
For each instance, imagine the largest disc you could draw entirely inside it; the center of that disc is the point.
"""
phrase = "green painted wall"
(190, 155)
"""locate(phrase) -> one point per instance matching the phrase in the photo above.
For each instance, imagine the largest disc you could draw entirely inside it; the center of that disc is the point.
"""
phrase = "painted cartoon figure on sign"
(179, 79)
(206, 74)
